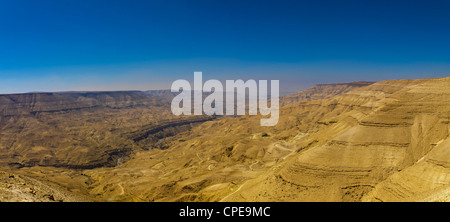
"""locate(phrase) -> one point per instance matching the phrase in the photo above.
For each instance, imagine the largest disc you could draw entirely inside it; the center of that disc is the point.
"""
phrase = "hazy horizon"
(142, 45)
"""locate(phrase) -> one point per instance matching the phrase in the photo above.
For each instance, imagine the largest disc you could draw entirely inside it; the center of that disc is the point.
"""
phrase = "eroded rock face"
(392, 148)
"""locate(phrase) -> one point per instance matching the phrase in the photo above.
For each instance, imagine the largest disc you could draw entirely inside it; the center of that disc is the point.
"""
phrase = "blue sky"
(120, 45)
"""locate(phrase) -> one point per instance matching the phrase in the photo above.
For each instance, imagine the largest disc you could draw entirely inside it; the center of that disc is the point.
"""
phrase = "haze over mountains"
(360, 141)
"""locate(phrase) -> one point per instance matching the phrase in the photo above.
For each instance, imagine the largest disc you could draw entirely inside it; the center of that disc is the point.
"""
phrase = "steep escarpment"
(35, 103)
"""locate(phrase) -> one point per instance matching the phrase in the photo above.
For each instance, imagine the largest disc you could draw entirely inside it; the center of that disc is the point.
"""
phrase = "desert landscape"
(351, 142)
(224, 109)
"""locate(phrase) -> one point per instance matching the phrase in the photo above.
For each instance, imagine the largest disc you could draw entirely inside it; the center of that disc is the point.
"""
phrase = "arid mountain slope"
(320, 91)
(335, 149)
(386, 141)
(426, 176)
(19, 188)
(377, 156)
(83, 129)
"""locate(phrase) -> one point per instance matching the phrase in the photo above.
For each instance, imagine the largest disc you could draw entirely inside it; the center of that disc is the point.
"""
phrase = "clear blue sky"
(117, 45)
